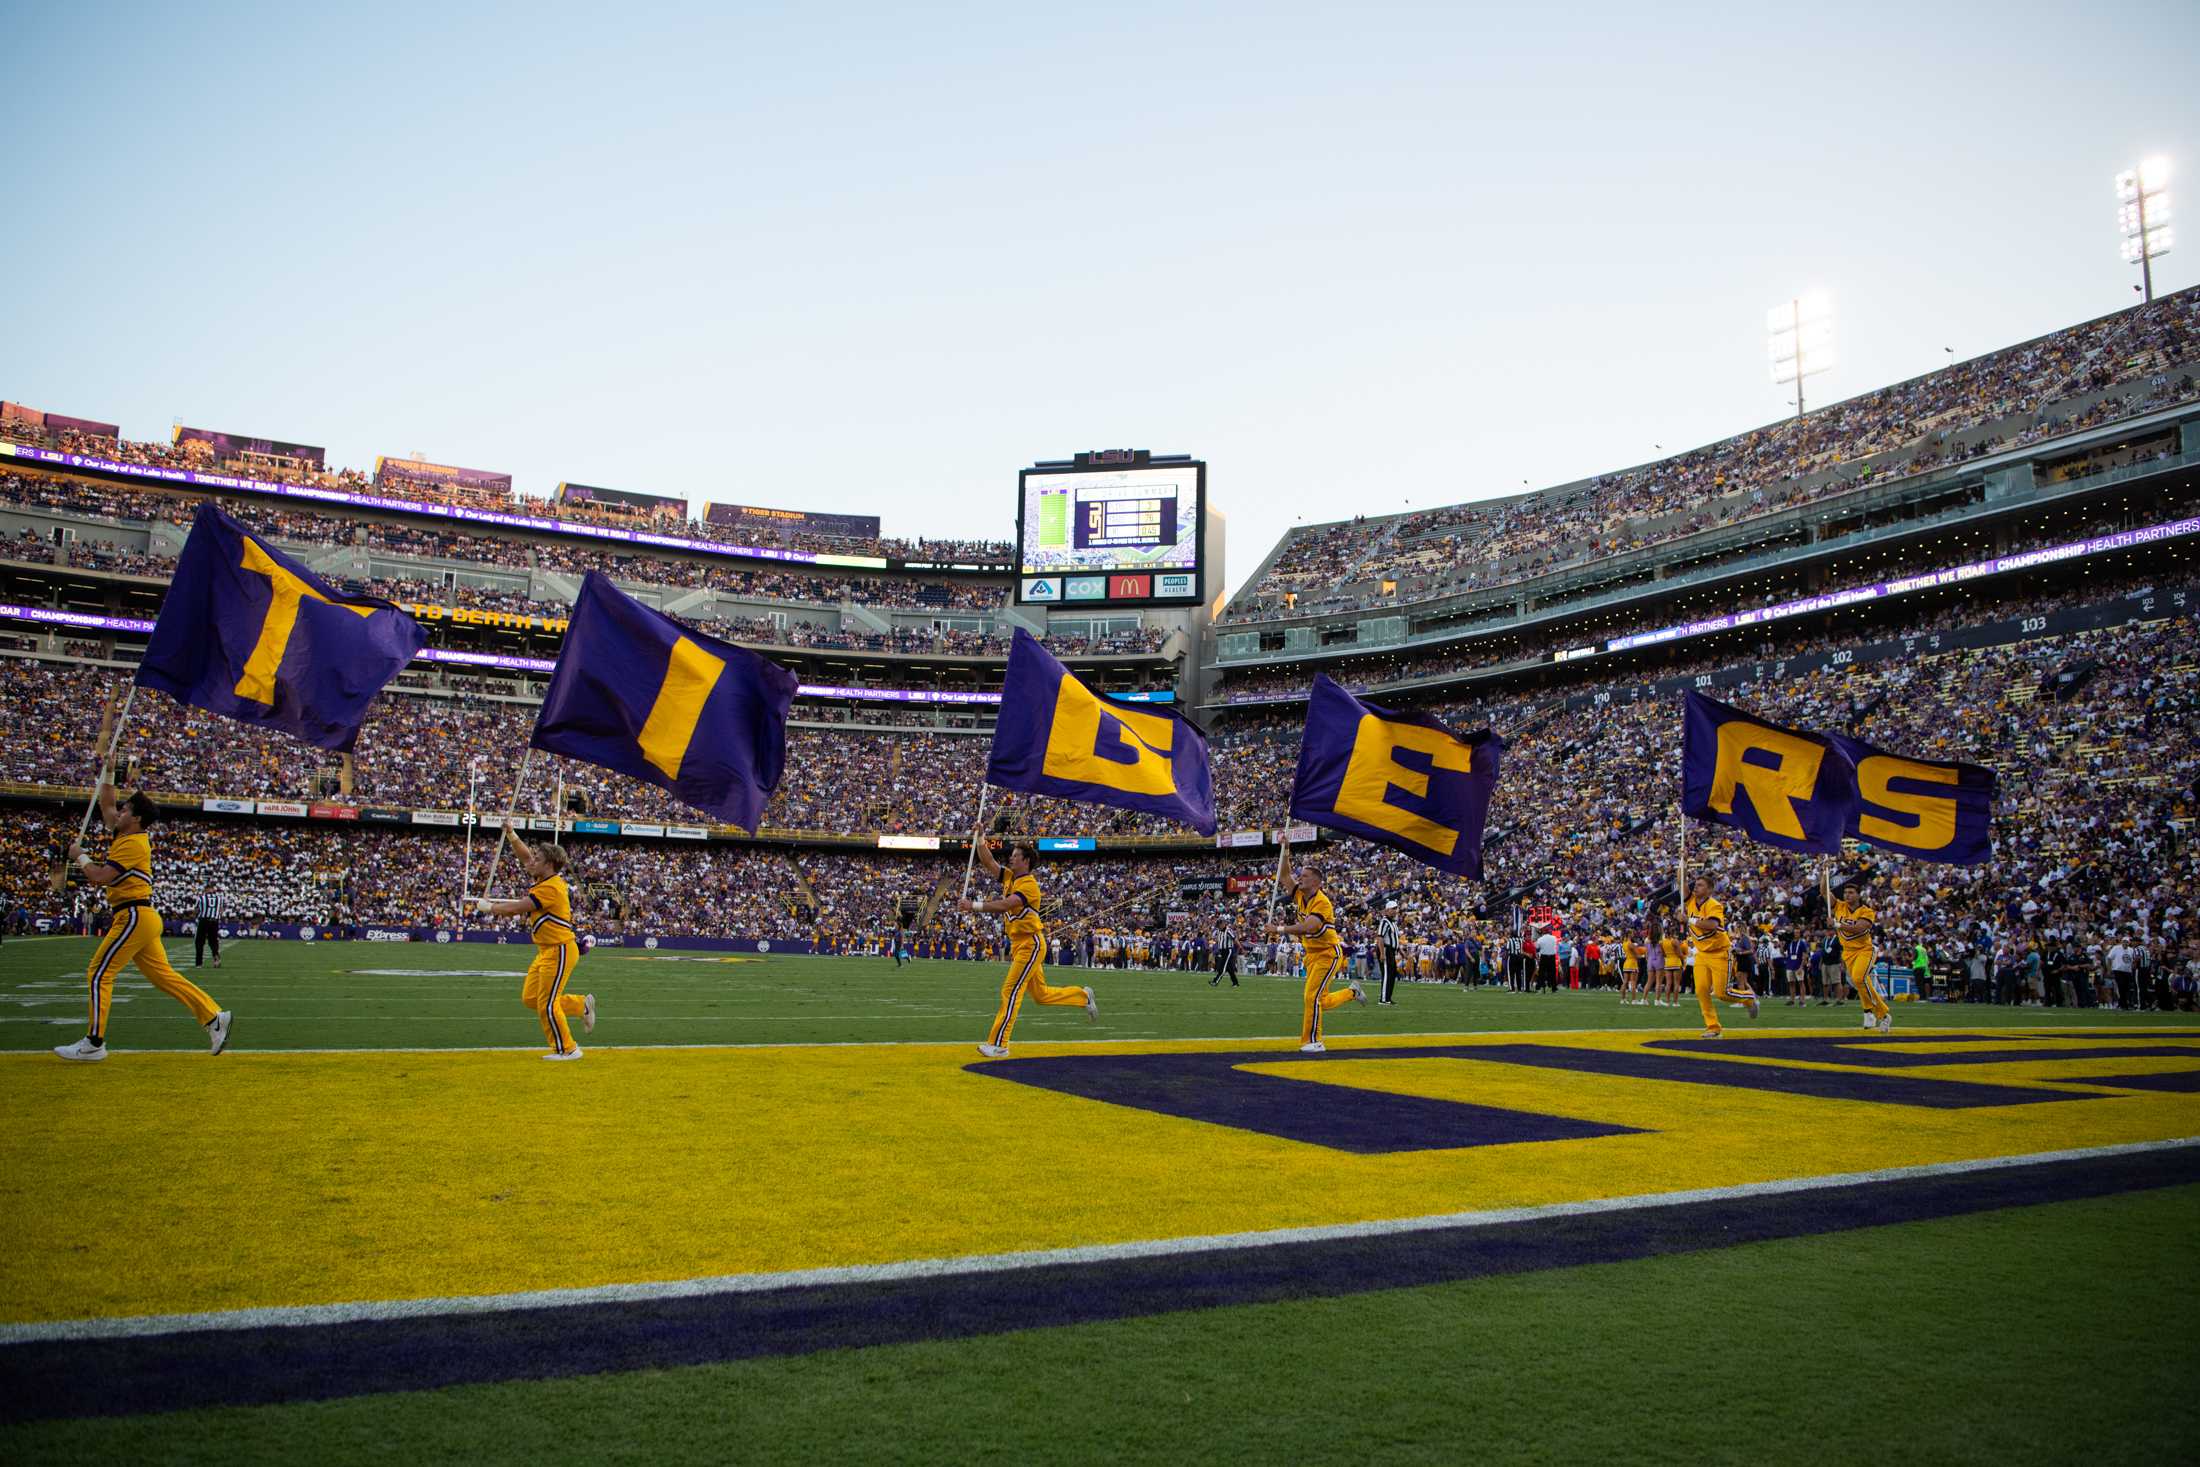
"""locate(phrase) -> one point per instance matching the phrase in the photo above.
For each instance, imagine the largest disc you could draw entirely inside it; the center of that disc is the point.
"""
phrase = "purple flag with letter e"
(1397, 778)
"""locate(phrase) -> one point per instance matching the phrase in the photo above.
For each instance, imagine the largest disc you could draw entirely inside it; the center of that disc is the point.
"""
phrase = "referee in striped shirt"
(209, 930)
(1386, 954)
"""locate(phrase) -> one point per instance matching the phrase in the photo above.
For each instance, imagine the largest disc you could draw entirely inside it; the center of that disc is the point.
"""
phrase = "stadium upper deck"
(2097, 372)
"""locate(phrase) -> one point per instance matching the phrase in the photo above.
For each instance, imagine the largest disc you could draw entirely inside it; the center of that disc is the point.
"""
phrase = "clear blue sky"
(877, 259)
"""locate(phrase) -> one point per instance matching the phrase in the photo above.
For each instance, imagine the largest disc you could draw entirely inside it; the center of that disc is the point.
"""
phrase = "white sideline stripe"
(971, 1265)
(1287, 1046)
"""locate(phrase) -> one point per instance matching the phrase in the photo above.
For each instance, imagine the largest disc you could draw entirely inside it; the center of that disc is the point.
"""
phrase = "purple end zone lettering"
(1211, 1088)
(1873, 1051)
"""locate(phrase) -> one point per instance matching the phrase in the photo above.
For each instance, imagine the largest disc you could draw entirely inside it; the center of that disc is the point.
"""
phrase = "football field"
(783, 1210)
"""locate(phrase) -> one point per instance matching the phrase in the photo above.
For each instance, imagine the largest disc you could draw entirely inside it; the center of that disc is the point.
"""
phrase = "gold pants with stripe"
(1860, 965)
(1027, 978)
(544, 992)
(1713, 971)
(133, 937)
(1320, 968)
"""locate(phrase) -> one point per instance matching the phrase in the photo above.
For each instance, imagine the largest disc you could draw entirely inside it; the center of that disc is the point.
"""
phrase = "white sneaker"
(1886, 1022)
(1317, 1047)
(993, 1051)
(571, 1054)
(217, 1031)
(1870, 1023)
(1092, 1007)
(83, 1049)
(1753, 1008)
(1713, 1034)
(588, 1014)
(1359, 994)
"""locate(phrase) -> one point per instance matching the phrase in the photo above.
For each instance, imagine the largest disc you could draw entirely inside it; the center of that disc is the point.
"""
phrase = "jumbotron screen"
(1111, 534)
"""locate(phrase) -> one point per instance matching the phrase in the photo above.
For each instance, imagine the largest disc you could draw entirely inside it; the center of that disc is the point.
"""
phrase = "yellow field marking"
(171, 1183)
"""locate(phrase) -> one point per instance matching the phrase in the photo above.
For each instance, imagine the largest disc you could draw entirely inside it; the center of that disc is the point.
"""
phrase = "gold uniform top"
(1634, 952)
(1710, 940)
(133, 854)
(1675, 954)
(1861, 912)
(1022, 926)
(1318, 907)
(552, 921)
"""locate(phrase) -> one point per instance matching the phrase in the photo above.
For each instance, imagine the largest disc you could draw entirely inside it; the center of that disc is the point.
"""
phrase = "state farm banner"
(419, 474)
(226, 446)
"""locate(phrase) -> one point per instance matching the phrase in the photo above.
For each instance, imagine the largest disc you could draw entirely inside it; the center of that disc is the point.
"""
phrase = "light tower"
(2143, 215)
(1799, 336)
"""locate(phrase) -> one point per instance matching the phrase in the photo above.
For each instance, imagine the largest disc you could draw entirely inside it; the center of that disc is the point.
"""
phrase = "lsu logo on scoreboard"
(1806, 791)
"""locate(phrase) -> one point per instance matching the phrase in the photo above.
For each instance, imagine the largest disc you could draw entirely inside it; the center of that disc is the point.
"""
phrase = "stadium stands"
(2117, 366)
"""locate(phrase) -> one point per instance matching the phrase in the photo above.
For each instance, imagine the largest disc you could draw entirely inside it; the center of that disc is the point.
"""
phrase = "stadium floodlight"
(2143, 215)
(1799, 338)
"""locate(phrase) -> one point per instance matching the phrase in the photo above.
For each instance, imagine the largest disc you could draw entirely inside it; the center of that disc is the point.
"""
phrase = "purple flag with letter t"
(247, 632)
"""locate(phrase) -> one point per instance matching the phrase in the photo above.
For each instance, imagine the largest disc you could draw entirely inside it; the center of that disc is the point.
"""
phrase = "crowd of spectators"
(2100, 785)
(2007, 399)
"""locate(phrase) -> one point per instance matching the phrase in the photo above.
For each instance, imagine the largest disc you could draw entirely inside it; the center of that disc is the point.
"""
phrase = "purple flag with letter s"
(1397, 778)
(247, 632)
(1932, 809)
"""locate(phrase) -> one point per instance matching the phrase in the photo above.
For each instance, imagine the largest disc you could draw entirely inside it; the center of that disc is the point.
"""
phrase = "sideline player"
(134, 929)
(1316, 930)
(1018, 905)
(1707, 927)
(1853, 922)
(548, 908)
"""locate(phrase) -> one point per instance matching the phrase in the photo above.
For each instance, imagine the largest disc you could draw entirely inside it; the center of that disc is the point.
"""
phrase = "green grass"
(290, 995)
(2049, 1334)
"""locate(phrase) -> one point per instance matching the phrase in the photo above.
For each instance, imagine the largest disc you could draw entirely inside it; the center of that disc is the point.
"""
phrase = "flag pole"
(519, 784)
(1283, 856)
(110, 744)
(970, 863)
(110, 736)
(473, 818)
(1682, 878)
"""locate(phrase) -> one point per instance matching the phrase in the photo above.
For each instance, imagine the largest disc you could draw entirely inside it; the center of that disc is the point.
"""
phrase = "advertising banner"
(908, 842)
(685, 832)
(227, 807)
(626, 498)
(756, 517)
(293, 809)
(377, 815)
(15, 412)
(1231, 839)
(417, 474)
(225, 446)
(435, 817)
(596, 827)
(333, 812)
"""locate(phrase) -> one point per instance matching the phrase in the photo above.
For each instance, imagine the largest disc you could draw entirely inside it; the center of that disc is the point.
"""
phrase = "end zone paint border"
(116, 1367)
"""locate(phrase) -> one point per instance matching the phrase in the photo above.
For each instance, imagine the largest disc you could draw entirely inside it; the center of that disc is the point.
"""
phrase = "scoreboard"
(1121, 528)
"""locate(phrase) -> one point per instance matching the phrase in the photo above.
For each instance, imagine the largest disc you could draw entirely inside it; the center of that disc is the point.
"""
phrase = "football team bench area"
(787, 1210)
